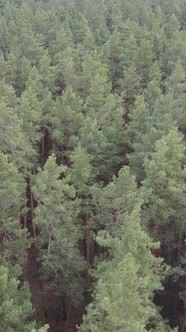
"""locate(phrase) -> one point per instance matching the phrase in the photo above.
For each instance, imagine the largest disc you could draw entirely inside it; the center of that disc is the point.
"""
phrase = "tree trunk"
(68, 318)
(87, 247)
(25, 267)
(181, 246)
(183, 326)
(25, 217)
(32, 213)
(25, 204)
(43, 147)
(43, 304)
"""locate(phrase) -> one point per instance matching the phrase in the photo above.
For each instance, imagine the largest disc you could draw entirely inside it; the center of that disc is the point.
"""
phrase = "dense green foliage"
(15, 307)
(92, 159)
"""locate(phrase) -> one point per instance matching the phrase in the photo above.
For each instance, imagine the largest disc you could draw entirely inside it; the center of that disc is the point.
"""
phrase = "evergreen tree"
(15, 307)
(165, 187)
(56, 219)
(13, 238)
(30, 108)
(123, 295)
(66, 122)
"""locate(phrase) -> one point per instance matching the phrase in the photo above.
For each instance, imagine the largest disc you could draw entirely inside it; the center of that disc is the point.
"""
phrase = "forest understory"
(93, 165)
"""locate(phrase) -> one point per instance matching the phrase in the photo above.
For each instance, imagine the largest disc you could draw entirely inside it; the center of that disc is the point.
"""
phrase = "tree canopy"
(92, 165)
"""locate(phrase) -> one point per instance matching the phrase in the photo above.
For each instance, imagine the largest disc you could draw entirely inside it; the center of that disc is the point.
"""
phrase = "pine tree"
(144, 134)
(56, 219)
(65, 68)
(153, 90)
(46, 72)
(15, 305)
(30, 108)
(66, 122)
(126, 280)
(175, 86)
(5, 37)
(101, 132)
(81, 176)
(14, 141)
(165, 188)
(119, 52)
(135, 135)
(13, 239)
(25, 42)
(143, 59)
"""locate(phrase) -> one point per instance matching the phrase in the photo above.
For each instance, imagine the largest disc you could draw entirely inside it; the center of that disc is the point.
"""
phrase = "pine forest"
(92, 165)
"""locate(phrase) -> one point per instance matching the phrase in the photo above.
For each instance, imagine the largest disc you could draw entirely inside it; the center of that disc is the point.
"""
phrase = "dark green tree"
(56, 219)
(15, 307)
